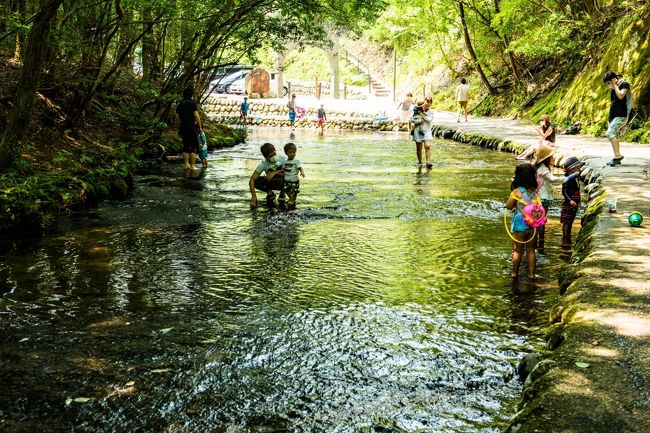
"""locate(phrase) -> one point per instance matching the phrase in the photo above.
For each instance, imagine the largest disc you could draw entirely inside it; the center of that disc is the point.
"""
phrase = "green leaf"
(165, 330)
(23, 340)
(161, 370)
(81, 399)
(582, 365)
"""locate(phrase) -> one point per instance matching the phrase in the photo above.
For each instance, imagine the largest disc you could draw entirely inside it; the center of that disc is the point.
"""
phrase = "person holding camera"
(620, 112)
(421, 131)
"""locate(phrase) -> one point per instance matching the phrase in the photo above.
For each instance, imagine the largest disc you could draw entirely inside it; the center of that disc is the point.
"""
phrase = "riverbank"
(596, 376)
(67, 173)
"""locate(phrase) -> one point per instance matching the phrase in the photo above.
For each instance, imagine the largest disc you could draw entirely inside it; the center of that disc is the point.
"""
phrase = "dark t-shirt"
(185, 110)
(618, 107)
(551, 137)
(571, 189)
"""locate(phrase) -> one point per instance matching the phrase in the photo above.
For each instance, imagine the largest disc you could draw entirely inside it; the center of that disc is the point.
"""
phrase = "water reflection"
(383, 303)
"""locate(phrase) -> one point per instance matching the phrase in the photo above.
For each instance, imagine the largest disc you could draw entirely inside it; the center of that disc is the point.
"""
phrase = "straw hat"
(543, 151)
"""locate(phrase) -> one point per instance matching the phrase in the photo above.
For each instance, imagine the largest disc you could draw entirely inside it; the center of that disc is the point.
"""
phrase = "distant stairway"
(376, 87)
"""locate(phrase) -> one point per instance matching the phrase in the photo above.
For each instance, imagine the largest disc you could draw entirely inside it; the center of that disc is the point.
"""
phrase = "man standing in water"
(620, 109)
(291, 105)
(188, 113)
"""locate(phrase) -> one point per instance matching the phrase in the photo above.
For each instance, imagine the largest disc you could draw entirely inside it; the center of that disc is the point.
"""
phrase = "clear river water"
(383, 304)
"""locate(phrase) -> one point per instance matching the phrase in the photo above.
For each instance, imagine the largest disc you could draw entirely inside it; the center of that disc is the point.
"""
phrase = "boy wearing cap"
(620, 109)
(571, 194)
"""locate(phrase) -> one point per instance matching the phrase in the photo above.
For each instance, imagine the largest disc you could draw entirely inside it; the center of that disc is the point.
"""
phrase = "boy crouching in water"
(271, 166)
(292, 167)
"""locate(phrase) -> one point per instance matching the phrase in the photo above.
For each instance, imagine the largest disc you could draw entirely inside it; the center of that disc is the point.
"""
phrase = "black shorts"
(263, 184)
(190, 140)
(292, 188)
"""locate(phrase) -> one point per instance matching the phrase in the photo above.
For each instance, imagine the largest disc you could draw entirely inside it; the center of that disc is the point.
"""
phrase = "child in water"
(571, 194)
(524, 187)
(292, 167)
(545, 181)
(322, 117)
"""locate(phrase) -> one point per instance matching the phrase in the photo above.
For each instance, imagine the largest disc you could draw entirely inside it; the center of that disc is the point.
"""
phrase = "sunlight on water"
(383, 303)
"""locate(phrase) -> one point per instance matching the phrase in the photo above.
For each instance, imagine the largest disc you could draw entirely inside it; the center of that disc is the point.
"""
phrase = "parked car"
(227, 70)
(238, 87)
(225, 83)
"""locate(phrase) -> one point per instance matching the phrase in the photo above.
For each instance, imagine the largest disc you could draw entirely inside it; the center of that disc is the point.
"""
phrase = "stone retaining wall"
(309, 88)
(534, 368)
(276, 115)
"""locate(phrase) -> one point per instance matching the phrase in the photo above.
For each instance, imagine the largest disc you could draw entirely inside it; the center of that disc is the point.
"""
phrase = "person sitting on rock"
(546, 132)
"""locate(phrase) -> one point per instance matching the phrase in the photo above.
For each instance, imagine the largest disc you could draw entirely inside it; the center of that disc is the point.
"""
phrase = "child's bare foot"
(514, 275)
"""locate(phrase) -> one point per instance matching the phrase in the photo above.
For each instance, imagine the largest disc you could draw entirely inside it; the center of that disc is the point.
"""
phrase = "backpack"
(533, 212)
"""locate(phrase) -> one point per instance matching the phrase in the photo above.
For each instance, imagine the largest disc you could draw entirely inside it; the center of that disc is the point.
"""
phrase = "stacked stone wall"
(272, 114)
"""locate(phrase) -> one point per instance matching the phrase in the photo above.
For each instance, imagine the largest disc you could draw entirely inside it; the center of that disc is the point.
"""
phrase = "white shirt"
(292, 170)
(266, 166)
(544, 182)
(462, 92)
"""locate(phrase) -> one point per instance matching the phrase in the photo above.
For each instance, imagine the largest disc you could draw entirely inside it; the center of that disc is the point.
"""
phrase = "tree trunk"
(19, 7)
(148, 50)
(470, 49)
(127, 34)
(34, 54)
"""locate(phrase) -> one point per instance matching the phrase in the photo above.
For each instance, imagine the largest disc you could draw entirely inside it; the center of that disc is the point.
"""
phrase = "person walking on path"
(243, 110)
(462, 98)
(291, 105)
(405, 108)
(620, 109)
(190, 128)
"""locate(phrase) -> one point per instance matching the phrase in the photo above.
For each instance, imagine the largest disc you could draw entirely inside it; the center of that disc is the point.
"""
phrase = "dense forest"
(525, 57)
(88, 86)
(87, 46)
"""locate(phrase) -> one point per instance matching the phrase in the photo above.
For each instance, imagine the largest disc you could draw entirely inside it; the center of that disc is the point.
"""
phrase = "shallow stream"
(383, 304)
